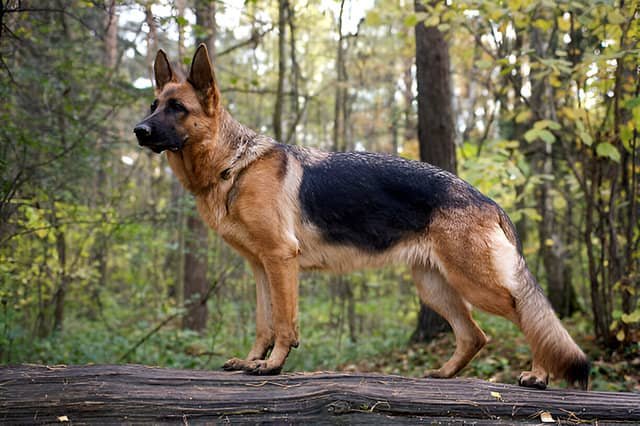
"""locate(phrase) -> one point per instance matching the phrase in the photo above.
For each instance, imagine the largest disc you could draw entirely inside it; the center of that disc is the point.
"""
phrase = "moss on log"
(139, 394)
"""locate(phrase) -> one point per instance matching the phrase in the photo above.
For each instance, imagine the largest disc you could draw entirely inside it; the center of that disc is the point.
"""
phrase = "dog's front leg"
(282, 275)
(264, 323)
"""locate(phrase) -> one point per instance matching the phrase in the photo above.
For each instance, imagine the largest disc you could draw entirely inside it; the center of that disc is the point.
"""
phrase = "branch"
(255, 37)
(167, 320)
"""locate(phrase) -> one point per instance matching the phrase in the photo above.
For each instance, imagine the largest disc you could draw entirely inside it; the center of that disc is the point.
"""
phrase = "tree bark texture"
(134, 394)
(195, 273)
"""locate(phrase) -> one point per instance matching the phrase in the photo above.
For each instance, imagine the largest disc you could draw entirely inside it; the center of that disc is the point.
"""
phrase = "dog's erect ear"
(203, 79)
(162, 70)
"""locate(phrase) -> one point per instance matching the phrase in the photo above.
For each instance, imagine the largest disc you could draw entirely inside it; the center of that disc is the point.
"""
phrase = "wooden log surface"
(139, 394)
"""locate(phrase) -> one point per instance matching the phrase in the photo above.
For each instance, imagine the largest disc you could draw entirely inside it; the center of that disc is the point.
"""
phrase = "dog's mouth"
(160, 147)
(158, 141)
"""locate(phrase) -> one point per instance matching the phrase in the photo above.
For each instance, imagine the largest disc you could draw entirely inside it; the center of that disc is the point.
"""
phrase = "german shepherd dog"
(288, 208)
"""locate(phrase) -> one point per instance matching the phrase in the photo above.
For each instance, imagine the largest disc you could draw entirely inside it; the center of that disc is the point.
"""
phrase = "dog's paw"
(262, 368)
(234, 364)
(435, 374)
(530, 380)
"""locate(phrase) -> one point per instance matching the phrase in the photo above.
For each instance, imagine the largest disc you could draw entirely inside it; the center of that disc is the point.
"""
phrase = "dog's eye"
(177, 106)
(154, 105)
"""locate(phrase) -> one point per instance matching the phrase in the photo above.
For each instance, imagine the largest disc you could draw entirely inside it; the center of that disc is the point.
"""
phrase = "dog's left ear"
(203, 79)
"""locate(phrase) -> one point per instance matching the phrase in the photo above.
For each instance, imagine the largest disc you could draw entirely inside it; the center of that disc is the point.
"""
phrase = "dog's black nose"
(142, 131)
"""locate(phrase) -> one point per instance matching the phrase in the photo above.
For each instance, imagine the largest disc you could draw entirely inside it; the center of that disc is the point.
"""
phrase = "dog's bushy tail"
(550, 342)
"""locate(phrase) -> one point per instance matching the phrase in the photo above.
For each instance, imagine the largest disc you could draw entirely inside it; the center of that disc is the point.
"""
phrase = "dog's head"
(184, 112)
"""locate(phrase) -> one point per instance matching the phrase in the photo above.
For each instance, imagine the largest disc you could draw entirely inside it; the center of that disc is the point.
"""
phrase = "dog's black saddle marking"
(372, 201)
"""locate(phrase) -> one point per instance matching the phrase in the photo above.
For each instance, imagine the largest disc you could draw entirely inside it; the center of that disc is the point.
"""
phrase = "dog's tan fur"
(247, 190)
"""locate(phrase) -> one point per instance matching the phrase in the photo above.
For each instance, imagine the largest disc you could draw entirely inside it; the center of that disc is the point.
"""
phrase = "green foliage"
(92, 228)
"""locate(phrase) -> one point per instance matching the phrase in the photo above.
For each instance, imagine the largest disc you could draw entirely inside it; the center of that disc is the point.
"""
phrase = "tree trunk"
(100, 249)
(282, 69)
(206, 20)
(152, 40)
(63, 282)
(197, 235)
(195, 273)
(553, 247)
(435, 130)
(339, 144)
(180, 7)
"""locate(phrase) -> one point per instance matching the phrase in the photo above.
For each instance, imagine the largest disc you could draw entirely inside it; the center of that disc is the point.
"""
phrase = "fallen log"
(139, 394)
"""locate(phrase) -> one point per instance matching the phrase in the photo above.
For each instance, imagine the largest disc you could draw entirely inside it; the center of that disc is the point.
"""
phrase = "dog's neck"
(227, 148)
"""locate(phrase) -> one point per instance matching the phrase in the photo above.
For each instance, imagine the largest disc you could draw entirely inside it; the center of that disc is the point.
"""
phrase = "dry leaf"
(546, 417)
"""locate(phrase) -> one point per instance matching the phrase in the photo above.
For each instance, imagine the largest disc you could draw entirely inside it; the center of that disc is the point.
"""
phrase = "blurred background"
(104, 260)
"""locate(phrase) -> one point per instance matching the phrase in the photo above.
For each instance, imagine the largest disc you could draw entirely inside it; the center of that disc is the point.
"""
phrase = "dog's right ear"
(162, 71)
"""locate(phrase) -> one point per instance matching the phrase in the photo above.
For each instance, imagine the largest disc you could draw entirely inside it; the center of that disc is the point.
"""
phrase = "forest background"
(104, 260)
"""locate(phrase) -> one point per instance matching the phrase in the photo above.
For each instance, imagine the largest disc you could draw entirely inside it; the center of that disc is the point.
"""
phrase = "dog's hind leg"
(492, 275)
(436, 293)
(264, 323)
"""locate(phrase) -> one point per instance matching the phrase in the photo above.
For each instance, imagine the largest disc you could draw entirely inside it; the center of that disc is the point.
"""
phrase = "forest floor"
(502, 360)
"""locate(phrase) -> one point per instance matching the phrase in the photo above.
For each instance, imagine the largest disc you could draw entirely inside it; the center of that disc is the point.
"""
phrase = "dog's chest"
(212, 208)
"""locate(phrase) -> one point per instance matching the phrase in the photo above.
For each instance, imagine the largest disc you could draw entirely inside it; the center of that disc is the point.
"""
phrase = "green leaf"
(632, 317)
(181, 21)
(615, 17)
(547, 136)
(605, 149)
(432, 21)
(373, 18)
(544, 124)
(586, 137)
(632, 103)
(523, 116)
(531, 135)
(411, 20)
(484, 64)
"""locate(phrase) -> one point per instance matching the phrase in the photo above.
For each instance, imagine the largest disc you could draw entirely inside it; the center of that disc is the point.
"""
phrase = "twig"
(202, 301)
(148, 335)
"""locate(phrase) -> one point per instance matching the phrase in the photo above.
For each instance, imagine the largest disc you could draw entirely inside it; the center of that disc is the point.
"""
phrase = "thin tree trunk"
(195, 273)
(206, 20)
(63, 282)
(197, 235)
(99, 251)
(340, 93)
(436, 134)
(295, 79)
(152, 40)
(180, 7)
(282, 70)
(553, 247)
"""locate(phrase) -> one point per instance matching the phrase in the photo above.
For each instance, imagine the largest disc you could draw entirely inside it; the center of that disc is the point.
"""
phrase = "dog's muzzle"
(144, 134)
